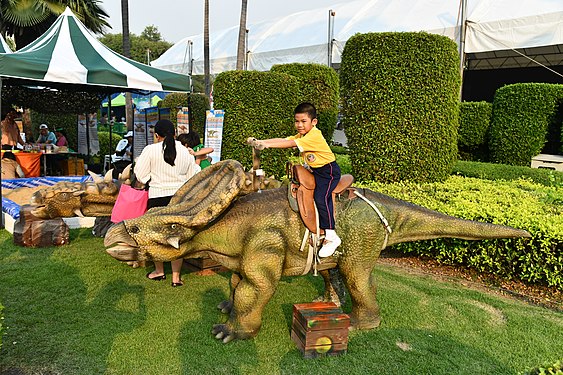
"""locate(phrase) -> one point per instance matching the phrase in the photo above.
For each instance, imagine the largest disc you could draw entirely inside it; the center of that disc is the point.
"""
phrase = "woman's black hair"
(190, 139)
(165, 129)
(9, 155)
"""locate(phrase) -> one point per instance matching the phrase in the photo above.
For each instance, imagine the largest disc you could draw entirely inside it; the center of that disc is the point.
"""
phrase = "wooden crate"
(73, 167)
(320, 329)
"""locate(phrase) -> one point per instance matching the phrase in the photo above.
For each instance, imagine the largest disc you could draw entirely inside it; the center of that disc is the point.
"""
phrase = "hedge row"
(320, 86)
(522, 116)
(489, 171)
(521, 204)
(474, 122)
(256, 104)
(400, 105)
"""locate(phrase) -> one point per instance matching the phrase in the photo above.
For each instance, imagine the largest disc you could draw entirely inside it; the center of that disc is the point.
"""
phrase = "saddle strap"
(381, 217)
(312, 255)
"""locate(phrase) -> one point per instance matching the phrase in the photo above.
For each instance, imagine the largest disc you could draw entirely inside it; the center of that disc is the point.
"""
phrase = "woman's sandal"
(157, 278)
(181, 283)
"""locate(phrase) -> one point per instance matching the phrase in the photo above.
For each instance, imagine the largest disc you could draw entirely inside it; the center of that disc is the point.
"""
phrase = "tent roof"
(4, 48)
(303, 37)
(68, 55)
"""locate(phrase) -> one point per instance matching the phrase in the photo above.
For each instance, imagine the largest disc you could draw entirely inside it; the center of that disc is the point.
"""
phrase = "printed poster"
(152, 119)
(183, 121)
(139, 132)
(164, 114)
(214, 132)
(88, 143)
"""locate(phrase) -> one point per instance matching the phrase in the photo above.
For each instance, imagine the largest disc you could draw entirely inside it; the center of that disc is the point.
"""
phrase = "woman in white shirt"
(167, 165)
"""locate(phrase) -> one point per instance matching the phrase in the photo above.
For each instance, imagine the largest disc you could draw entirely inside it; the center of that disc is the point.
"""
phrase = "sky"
(177, 19)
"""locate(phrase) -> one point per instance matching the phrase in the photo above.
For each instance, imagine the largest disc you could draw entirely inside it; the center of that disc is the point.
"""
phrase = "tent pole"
(331, 15)
(110, 125)
(462, 28)
(1, 205)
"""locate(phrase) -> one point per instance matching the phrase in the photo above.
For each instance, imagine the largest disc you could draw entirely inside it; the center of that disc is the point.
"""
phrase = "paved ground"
(339, 137)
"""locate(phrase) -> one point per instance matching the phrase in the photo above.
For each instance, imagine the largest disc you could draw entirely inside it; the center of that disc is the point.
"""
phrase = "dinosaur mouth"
(120, 244)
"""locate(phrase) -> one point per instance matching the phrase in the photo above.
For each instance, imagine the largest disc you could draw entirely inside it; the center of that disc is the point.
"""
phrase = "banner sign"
(139, 132)
(214, 132)
(183, 121)
(164, 114)
(152, 119)
(87, 134)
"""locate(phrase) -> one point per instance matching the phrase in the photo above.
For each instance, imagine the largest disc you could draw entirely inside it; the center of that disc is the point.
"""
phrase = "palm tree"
(242, 36)
(26, 20)
(206, 47)
(127, 53)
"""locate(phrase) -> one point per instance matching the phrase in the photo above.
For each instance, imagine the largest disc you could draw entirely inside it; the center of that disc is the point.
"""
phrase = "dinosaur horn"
(108, 176)
(97, 179)
(126, 174)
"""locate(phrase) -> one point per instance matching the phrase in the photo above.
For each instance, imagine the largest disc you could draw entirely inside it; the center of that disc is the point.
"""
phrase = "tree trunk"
(241, 50)
(127, 53)
(206, 48)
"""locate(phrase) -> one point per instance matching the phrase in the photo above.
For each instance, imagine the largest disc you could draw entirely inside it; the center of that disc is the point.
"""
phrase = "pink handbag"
(130, 203)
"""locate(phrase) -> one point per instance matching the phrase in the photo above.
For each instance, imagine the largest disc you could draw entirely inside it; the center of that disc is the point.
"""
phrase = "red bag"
(130, 203)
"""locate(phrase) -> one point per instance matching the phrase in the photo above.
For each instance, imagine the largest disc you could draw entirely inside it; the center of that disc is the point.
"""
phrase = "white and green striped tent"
(4, 48)
(67, 54)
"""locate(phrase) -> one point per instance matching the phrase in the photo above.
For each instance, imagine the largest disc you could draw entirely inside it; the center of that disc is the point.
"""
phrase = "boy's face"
(303, 123)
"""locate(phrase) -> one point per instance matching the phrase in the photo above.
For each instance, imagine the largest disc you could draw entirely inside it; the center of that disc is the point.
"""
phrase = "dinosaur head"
(61, 200)
(161, 231)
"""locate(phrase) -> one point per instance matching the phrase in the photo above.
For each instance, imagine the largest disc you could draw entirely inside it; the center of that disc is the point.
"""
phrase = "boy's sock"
(332, 241)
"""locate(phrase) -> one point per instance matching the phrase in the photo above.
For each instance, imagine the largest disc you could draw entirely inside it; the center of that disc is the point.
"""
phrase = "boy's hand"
(259, 145)
(251, 140)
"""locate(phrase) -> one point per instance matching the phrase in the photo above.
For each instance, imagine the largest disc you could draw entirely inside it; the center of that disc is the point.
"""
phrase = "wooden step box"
(320, 329)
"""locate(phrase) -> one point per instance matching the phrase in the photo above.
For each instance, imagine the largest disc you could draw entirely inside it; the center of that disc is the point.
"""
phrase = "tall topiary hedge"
(522, 114)
(474, 121)
(319, 86)
(199, 104)
(400, 103)
(257, 104)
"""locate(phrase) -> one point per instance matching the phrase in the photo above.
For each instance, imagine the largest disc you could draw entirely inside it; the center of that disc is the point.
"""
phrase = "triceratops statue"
(259, 237)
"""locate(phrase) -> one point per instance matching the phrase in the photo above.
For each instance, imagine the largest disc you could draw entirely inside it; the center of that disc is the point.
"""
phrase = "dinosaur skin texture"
(258, 237)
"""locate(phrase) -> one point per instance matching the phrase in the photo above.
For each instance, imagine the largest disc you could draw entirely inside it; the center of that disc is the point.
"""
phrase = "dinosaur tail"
(410, 222)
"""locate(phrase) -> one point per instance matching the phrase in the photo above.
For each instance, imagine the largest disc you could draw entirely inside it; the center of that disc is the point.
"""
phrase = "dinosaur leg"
(334, 287)
(253, 292)
(361, 284)
(227, 306)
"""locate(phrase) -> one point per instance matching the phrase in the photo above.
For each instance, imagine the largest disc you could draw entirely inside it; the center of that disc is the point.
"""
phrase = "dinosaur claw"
(220, 335)
(228, 339)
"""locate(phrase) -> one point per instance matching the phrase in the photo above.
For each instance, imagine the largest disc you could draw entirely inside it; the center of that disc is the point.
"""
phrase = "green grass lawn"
(75, 310)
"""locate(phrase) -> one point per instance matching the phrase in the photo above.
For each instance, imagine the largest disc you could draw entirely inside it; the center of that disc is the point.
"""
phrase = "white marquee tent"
(494, 29)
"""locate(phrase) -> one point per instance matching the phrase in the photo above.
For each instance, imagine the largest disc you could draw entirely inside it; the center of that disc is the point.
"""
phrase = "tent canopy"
(67, 55)
(492, 26)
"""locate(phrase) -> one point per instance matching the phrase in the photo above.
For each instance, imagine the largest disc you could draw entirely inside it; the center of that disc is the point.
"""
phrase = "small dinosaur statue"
(258, 236)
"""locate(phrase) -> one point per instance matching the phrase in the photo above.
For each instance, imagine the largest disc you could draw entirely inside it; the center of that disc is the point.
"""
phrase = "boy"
(318, 155)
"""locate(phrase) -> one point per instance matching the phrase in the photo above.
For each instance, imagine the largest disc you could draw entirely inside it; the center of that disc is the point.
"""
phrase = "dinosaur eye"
(134, 229)
(64, 196)
(174, 226)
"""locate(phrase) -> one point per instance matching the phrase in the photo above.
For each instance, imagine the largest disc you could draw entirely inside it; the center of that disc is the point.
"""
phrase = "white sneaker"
(332, 241)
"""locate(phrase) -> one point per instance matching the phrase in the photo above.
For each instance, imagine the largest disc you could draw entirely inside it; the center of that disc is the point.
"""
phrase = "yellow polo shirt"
(314, 148)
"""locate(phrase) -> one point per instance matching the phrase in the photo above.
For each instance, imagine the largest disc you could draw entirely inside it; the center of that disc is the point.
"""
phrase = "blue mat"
(12, 208)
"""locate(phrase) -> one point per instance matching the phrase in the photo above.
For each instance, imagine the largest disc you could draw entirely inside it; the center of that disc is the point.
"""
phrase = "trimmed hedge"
(319, 86)
(199, 104)
(400, 104)
(522, 114)
(103, 139)
(174, 101)
(256, 104)
(474, 122)
(488, 171)
(520, 204)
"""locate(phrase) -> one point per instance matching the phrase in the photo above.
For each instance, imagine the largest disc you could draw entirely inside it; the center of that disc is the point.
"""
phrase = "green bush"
(199, 104)
(522, 114)
(257, 104)
(69, 122)
(548, 369)
(474, 121)
(489, 171)
(520, 204)
(103, 138)
(400, 104)
(174, 101)
(319, 85)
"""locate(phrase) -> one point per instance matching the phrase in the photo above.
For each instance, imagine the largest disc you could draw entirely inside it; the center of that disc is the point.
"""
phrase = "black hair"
(165, 129)
(9, 155)
(307, 108)
(190, 139)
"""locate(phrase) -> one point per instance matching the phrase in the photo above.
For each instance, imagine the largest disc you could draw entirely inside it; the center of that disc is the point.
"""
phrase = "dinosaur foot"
(225, 307)
(223, 332)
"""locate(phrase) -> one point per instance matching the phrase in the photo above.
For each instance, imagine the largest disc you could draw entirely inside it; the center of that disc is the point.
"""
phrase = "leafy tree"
(139, 44)
(26, 20)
